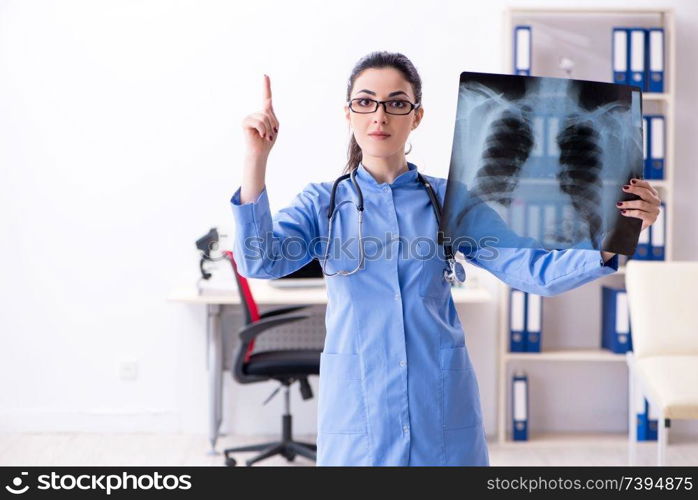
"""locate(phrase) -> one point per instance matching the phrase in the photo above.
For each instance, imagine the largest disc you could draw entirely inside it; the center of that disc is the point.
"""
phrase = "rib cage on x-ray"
(505, 134)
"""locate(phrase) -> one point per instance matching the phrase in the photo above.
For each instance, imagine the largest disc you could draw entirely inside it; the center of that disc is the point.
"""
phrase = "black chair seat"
(292, 362)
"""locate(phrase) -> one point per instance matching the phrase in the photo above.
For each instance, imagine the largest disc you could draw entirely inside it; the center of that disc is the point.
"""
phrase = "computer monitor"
(308, 275)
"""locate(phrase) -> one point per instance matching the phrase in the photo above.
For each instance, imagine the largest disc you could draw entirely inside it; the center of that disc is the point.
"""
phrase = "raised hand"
(262, 127)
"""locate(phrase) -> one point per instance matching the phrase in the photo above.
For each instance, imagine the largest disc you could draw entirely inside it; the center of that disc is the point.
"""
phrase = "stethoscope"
(454, 271)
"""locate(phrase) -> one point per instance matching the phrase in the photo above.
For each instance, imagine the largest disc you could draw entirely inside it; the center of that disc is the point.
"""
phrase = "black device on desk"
(206, 244)
(308, 275)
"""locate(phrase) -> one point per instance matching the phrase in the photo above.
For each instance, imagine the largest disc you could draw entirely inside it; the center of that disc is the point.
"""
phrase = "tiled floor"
(192, 449)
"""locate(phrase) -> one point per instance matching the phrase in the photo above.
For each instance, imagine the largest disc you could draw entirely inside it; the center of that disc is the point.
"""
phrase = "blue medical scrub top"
(397, 386)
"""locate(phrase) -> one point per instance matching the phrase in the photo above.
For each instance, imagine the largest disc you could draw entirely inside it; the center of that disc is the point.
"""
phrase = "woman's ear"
(418, 117)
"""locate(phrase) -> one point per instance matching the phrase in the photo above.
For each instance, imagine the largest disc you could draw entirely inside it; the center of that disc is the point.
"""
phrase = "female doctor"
(396, 386)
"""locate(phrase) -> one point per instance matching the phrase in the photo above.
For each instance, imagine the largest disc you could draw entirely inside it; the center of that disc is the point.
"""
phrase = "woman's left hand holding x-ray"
(646, 208)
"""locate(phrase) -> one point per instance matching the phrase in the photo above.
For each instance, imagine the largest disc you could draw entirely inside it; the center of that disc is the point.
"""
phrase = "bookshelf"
(587, 34)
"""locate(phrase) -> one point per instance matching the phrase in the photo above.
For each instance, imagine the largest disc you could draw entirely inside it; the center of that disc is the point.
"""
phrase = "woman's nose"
(380, 114)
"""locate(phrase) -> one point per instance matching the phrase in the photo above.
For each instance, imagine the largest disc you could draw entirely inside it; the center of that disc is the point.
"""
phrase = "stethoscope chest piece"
(454, 272)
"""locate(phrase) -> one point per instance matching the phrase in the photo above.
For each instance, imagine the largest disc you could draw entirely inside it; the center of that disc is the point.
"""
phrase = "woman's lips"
(378, 136)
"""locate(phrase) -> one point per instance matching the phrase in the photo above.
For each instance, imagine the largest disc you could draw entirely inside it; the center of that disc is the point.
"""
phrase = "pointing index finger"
(267, 92)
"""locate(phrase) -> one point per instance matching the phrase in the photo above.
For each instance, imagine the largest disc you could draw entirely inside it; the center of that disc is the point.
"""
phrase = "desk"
(264, 294)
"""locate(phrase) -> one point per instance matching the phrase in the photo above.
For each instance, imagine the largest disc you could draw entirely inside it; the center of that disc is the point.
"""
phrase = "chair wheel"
(230, 462)
(291, 456)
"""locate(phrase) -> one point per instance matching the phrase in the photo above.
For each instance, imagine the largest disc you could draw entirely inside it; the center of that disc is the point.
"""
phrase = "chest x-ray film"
(540, 162)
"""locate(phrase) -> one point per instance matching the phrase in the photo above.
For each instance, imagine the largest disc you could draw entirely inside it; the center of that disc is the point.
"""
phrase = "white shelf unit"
(564, 22)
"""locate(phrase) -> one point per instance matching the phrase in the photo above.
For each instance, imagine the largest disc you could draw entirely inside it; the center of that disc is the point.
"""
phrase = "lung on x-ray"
(540, 162)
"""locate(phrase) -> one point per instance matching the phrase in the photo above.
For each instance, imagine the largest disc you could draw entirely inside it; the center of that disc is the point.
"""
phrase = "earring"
(408, 152)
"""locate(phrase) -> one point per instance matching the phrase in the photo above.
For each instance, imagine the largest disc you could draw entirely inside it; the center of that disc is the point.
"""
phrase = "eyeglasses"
(392, 107)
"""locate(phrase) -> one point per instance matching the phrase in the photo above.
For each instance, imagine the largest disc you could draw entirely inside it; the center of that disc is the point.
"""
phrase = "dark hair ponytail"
(381, 59)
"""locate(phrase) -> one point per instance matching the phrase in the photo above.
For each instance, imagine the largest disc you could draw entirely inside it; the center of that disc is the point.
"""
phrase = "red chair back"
(247, 301)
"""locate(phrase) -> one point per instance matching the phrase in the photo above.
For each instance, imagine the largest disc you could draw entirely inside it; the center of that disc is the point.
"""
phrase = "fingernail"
(622, 211)
(626, 186)
(271, 137)
(619, 203)
(633, 181)
(275, 130)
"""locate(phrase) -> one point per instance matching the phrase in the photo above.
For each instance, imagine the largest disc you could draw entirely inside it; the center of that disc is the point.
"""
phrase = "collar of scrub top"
(403, 178)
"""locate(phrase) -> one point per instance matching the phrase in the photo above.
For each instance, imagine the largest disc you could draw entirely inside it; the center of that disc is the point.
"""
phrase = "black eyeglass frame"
(413, 106)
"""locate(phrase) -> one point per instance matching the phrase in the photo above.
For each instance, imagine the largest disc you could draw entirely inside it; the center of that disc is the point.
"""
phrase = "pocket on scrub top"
(432, 282)
(460, 396)
(341, 406)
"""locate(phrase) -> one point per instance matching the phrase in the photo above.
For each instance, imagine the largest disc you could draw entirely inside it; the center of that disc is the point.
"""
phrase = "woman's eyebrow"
(397, 92)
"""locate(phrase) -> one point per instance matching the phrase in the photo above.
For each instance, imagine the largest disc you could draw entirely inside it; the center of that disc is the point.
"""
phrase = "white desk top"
(266, 294)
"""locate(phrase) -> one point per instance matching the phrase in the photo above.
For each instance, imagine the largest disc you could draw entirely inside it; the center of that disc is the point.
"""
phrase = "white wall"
(120, 144)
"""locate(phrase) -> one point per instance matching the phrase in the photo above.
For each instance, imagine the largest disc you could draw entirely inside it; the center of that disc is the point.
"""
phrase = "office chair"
(663, 365)
(285, 366)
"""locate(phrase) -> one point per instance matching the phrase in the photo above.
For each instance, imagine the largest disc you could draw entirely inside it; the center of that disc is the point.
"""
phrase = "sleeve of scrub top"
(527, 267)
(546, 272)
(270, 247)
